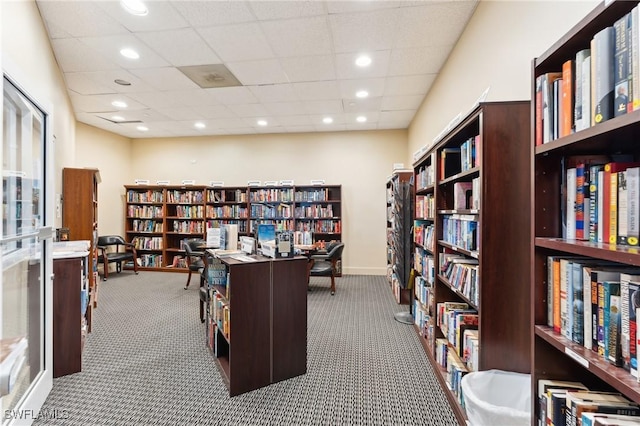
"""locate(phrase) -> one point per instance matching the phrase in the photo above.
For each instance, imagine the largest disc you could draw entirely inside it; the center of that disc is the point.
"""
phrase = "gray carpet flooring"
(145, 363)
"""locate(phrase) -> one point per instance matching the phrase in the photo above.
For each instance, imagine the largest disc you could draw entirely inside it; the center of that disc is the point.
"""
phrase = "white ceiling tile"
(251, 73)
(349, 88)
(80, 19)
(232, 95)
(295, 120)
(340, 6)
(229, 123)
(392, 125)
(231, 42)
(330, 127)
(249, 110)
(215, 111)
(74, 56)
(181, 113)
(162, 16)
(269, 10)
(408, 85)
(279, 109)
(361, 105)
(192, 97)
(209, 13)
(301, 129)
(56, 31)
(180, 47)
(270, 93)
(309, 68)
(310, 36)
(329, 107)
(270, 129)
(240, 131)
(394, 103)
(433, 23)
(372, 117)
(165, 79)
(83, 84)
(361, 126)
(320, 90)
(108, 77)
(253, 122)
(110, 47)
(347, 69)
(145, 115)
(95, 103)
(156, 99)
(367, 31)
(418, 60)
(397, 116)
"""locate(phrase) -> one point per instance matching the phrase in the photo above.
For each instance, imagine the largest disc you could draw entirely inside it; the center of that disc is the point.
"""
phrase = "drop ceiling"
(294, 62)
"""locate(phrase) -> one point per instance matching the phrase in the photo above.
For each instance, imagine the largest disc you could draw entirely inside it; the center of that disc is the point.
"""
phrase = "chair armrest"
(319, 256)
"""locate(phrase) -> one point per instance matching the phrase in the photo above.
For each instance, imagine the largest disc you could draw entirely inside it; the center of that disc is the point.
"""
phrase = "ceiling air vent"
(210, 76)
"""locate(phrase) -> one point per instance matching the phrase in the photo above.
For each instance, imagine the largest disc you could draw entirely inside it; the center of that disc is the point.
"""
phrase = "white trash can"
(497, 398)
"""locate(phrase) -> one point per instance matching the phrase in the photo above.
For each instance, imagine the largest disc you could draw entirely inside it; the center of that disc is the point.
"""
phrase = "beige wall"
(359, 161)
(496, 50)
(26, 48)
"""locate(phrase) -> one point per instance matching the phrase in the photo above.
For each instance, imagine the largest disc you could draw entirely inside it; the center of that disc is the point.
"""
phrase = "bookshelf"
(256, 320)
(80, 213)
(158, 218)
(555, 356)
(470, 250)
(399, 216)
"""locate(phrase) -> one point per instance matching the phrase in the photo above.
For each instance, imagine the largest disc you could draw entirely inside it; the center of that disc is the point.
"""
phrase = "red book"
(539, 83)
(567, 100)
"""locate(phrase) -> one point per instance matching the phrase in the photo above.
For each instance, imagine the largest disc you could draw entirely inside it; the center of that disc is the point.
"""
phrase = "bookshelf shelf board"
(425, 219)
(469, 253)
(426, 190)
(615, 253)
(446, 282)
(458, 176)
(428, 249)
(616, 377)
(460, 211)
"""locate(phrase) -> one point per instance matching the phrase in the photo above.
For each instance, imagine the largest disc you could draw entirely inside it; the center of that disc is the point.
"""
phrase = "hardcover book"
(602, 73)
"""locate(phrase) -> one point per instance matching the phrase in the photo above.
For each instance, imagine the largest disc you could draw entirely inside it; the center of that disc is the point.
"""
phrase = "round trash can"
(497, 398)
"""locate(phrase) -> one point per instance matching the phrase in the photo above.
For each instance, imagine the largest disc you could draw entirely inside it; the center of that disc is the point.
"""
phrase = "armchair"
(195, 255)
(324, 265)
(114, 249)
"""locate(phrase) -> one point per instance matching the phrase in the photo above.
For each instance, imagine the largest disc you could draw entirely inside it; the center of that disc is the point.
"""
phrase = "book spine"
(579, 202)
(578, 120)
(586, 93)
(593, 204)
(603, 74)
(633, 206)
(576, 308)
(622, 213)
(613, 207)
(550, 281)
(571, 204)
(566, 126)
(614, 331)
(587, 315)
(539, 83)
(621, 65)
(600, 207)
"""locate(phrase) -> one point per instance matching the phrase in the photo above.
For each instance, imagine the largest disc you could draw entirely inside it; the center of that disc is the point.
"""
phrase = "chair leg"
(188, 280)
(333, 285)
(105, 271)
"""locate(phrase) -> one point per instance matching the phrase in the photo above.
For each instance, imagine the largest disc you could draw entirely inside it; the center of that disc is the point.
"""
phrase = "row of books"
(242, 224)
(176, 196)
(315, 211)
(424, 291)
(178, 262)
(146, 226)
(321, 226)
(150, 196)
(425, 206)
(571, 403)
(227, 211)
(190, 212)
(603, 202)
(594, 303)
(150, 260)
(599, 83)
(302, 238)
(423, 321)
(470, 153)
(425, 177)
(271, 211)
(424, 234)
(147, 243)
(466, 195)
(226, 196)
(460, 230)
(462, 274)
(313, 195)
(274, 194)
(423, 263)
(454, 319)
(188, 227)
(144, 211)
(220, 313)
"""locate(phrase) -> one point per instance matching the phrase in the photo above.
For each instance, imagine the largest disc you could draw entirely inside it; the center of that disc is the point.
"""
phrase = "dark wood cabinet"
(69, 324)
(257, 323)
(472, 202)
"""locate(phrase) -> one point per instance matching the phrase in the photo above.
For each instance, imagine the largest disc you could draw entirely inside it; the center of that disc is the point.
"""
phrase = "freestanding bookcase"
(399, 220)
(257, 322)
(472, 201)
(555, 356)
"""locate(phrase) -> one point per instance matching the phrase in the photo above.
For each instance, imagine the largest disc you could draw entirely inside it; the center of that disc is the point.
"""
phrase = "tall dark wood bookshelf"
(555, 356)
(158, 217)
(499, 163)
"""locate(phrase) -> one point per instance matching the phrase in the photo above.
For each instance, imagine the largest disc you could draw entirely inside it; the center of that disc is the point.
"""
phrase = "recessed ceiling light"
(327, 120)
(117, 118)
(262, 122)
(361, 119)
(129, 53)
(121, 82)
(134, 7)
(142, 128)
(119, 104)
(362, 94)
(363, 61)
(200, 125)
